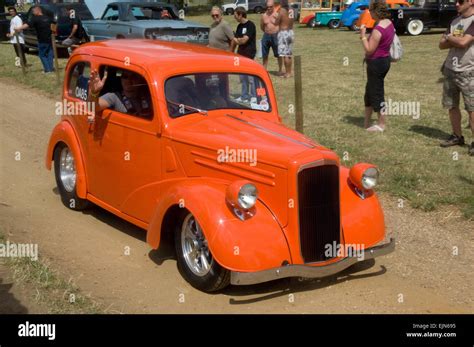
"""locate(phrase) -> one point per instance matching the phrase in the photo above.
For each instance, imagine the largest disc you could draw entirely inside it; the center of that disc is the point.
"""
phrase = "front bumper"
(306, 271)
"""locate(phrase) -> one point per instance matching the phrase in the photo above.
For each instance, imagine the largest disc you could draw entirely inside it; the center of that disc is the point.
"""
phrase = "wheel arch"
(235, 244)
(64, 133)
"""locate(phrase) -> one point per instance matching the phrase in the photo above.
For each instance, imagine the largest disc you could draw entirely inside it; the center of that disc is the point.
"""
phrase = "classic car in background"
(329, 19)
(243, 198)
(351, 14)
(150, 20)
(59, 14)
(310, 8)
(255, 6)
(367, 20)
(424, 15)
(4, 22)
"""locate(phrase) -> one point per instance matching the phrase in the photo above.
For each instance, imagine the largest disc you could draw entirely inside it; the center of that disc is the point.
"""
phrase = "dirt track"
(89, 247)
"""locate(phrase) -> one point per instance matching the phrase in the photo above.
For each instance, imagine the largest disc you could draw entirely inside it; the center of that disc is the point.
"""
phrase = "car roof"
(170, 57)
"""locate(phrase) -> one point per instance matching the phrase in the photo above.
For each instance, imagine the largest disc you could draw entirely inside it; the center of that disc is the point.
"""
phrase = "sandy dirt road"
(422, 276)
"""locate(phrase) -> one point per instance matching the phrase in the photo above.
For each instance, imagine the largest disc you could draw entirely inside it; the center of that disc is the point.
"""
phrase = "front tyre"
(195, 261)
(66, 175)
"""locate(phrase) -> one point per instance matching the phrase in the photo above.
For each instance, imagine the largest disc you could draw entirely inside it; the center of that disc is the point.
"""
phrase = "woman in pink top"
(377, 56)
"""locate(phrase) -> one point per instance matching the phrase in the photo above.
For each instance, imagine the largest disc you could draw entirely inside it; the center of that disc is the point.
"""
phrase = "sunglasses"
(215, 15)
(460, 2)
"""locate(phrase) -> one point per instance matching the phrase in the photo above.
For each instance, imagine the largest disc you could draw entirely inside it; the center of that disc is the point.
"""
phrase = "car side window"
(112, 13)
(127, 92)
(78, 86)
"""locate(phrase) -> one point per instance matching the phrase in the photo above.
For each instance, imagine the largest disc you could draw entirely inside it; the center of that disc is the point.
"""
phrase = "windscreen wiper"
(195, 109)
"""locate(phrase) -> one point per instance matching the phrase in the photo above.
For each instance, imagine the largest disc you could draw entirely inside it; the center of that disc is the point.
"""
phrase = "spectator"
(16, 22)
(245, 40)
(42, 24)
(286, 37)
(165, 14)
(221, 34)
(377, 56)
(75, 36)
(458, 71)
(270, 28)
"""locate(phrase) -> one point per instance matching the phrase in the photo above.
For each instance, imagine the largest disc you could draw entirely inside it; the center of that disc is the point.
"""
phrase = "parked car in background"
(310, 8)
(367, 20)
(255, 6)
(351, 14)
(245, 198)
(145, 20)
(59, 14)
(424, 15)
(329, 19)
(4, 24)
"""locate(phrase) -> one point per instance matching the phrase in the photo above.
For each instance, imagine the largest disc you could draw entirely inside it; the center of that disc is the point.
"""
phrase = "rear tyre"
(195, 261)
(65, 173)
(229, 11)
(258, 9)
(333, 24)
(312, 23)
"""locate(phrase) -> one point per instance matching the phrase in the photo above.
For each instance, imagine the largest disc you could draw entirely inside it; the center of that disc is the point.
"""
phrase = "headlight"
(370, 177)
(364, 176)
(242, 195)
(247, 196)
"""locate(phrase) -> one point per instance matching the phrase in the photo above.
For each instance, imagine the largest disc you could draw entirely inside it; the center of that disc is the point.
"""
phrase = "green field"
(413, 166)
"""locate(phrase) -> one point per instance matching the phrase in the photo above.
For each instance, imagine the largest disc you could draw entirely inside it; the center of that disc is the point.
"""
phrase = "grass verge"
(51, 290)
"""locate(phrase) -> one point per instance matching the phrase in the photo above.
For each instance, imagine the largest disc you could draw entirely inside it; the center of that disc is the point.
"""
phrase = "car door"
(124, 153)
(447, 12)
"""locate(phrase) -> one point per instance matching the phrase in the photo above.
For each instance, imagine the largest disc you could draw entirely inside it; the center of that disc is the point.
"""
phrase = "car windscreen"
(196, 93)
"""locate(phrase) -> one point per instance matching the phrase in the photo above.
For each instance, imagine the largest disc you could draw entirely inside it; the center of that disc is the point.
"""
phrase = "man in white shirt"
(15, 23)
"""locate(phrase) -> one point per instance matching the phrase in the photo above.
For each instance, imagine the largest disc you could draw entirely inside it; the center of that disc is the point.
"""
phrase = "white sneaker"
(240, 99)
(253, 100)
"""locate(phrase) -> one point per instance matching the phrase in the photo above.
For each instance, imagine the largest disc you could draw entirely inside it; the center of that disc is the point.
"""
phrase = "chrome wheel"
(194, 247)
(67, 170)
(415, 27)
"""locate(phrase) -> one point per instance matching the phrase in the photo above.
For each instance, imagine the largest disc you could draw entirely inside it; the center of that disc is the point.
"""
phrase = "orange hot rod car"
(200, 153)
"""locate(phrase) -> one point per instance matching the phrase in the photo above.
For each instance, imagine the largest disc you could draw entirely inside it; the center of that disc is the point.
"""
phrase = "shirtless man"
(270, 35)
(286, 36)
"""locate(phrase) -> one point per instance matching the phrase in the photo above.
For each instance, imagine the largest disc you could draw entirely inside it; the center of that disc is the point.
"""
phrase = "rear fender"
(64, 132)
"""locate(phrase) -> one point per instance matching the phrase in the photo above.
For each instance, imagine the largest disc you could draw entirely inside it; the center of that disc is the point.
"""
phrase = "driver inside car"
(133, 98)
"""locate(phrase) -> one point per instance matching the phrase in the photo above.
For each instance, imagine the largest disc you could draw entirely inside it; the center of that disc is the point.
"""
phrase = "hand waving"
(96, 83)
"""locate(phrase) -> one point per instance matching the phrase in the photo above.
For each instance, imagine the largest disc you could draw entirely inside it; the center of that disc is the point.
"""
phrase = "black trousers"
(20, 51)
(377, 69)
